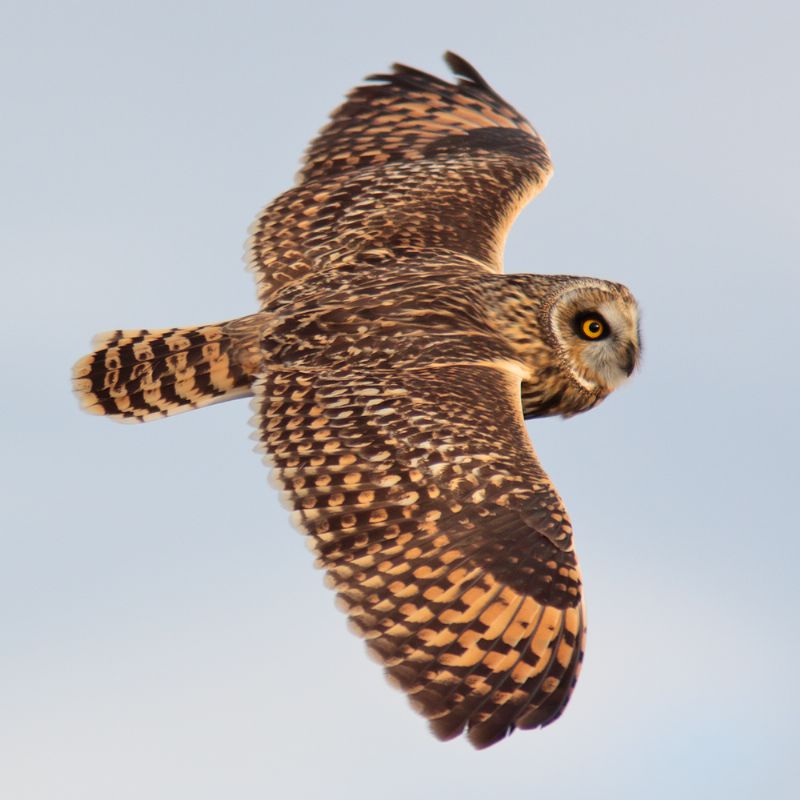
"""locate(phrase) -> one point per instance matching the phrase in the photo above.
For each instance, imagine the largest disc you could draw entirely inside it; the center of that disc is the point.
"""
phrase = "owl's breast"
(549, 392)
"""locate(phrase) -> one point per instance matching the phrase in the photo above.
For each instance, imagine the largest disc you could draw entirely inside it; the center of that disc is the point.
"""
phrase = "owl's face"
(594, 326)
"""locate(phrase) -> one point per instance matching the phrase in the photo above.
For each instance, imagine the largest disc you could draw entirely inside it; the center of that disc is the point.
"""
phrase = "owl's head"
(594, 326)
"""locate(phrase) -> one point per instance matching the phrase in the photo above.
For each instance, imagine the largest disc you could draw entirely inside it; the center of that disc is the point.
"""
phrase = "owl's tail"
(139, 375)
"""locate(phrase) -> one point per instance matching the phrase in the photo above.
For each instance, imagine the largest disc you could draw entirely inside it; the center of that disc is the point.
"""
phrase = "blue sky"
(163, 631)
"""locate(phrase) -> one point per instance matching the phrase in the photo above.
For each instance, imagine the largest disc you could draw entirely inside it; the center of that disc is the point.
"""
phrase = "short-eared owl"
(391, 366)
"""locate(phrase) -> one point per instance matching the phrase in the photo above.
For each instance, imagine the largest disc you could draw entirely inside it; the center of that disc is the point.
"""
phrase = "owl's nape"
(391, 365)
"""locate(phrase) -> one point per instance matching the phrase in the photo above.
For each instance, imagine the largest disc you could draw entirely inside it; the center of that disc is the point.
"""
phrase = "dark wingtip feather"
(464, 69)
(486, 734)
(460, 67)
(403, 74)
(447, 727)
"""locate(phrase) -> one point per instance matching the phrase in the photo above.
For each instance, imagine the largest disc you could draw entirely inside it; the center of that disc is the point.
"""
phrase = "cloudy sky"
(162, 631)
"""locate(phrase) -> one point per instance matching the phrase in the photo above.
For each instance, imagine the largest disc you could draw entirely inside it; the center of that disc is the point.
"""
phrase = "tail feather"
(139, 375)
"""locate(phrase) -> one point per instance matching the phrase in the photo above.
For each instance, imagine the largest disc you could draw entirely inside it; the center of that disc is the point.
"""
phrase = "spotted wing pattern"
(408, 165)
(445, 541)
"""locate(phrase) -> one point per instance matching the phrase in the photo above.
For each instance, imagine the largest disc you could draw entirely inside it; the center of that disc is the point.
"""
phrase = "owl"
(391, 366)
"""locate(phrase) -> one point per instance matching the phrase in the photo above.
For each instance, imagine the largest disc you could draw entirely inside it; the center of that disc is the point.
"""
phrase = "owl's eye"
(591, 326)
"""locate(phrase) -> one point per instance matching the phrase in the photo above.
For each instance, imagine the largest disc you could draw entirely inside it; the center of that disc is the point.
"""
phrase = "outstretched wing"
(407, 165)
(445, 541)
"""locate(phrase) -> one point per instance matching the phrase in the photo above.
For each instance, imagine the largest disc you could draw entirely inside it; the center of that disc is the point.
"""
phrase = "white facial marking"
(604, 356)
(596, 364)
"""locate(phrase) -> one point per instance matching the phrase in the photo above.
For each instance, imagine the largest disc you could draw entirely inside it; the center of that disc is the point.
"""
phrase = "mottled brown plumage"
(410, 166)
(139, 375)
(391, 366)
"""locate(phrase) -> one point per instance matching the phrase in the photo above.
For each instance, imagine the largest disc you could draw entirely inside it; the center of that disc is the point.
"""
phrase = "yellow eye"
(592, 328)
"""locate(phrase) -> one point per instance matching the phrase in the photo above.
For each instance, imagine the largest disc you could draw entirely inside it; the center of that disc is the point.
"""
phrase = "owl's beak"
(631, 357)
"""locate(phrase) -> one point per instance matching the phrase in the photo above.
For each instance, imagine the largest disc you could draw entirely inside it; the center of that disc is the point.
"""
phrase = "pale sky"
(162, 631)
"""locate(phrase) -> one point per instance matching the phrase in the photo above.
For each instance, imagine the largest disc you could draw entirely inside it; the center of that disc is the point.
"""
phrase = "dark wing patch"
(409, 165)
(445, 541)
(400, 114)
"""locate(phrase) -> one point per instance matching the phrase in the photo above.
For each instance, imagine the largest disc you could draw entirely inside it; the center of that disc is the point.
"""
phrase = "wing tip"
(460, 67)
(465, 71)
(403, 73)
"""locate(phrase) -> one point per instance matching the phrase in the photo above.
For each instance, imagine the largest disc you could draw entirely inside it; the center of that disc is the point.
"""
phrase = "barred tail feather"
(139, 375)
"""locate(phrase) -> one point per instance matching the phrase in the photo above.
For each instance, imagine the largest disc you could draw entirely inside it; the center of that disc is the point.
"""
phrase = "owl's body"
(391, 366)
